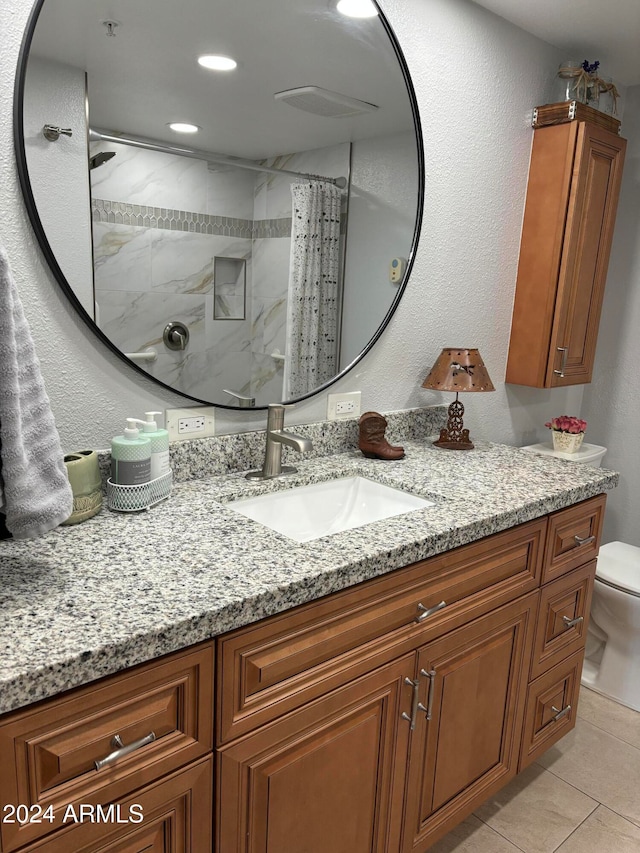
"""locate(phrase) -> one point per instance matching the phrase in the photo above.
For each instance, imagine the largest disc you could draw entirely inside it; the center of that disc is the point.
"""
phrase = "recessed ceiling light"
(183, 127)
(357, 8)
(217, 63)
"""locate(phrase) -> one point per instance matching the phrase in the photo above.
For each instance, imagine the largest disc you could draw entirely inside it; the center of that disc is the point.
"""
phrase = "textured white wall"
(382, 207)
(57, 96)
(477, 78)
(612, 402)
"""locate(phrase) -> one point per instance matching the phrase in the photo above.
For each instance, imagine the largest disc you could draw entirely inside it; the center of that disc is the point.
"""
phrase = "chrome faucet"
(276, 437)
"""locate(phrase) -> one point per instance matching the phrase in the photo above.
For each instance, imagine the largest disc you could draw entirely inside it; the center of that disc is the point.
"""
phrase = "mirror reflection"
(255, 257)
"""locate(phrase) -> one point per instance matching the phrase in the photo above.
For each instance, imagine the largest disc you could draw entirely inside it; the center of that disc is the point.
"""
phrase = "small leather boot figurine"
(372, 441)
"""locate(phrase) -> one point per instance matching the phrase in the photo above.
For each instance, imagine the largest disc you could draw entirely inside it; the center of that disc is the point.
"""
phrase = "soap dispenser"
(131, 456)
(159, 439)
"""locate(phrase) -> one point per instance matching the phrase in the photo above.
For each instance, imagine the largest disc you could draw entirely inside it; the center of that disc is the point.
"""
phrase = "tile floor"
(582, 796)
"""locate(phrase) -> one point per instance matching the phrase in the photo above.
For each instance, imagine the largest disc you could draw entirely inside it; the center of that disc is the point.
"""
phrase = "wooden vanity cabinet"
(370, 721)
(398, 750)
(466, 745)
(153, 724)
(331, 775)
(278, 664)
(573, 539)
(572, 196)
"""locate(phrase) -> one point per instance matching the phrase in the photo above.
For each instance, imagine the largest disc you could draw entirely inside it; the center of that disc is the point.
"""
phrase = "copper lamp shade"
(457, 370)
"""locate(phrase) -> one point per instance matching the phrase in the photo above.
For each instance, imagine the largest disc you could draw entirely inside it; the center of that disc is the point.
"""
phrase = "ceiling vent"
(322, 102)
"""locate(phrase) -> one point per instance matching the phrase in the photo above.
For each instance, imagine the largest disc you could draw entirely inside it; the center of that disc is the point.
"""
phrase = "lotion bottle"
(131, 456)
(159, 439)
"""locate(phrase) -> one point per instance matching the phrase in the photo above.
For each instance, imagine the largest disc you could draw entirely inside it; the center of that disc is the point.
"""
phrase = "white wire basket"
(139, 497)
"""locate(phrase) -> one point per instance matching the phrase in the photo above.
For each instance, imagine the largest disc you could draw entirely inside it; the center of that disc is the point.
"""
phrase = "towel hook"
(52, 133)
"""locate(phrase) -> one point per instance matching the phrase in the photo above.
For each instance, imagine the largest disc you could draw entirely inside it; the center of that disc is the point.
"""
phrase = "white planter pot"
(567, 442)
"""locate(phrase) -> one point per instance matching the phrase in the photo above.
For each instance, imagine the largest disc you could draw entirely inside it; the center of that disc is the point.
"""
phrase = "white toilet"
(612, 659)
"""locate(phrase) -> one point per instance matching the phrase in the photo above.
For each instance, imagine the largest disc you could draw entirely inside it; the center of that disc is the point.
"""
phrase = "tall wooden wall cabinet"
(572, 195)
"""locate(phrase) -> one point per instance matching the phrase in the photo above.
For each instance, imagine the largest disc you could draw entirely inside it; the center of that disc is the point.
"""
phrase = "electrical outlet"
(342, 406)
(189, 423)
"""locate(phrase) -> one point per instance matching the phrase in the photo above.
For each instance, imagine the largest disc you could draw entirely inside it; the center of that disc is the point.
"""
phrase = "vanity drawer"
(561, 628)
(551, 708)
(49, 751)
(573, 537)
(176, 818)
(279, 663)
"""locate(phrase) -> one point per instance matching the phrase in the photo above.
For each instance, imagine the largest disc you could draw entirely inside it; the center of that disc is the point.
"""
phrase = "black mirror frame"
(36, 222)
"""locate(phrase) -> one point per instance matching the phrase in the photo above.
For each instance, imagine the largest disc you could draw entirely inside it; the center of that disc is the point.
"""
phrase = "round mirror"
(229, 193)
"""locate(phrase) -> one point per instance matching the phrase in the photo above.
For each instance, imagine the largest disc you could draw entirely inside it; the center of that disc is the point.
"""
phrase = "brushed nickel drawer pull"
(414, 703)
(560, 714)
(431, 675)
(586, 541)
(123, 750)
(429, 611)
(569, 623)
(565, 355)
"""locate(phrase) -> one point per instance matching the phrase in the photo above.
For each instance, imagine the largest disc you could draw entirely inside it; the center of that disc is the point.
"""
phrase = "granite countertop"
(88, 600)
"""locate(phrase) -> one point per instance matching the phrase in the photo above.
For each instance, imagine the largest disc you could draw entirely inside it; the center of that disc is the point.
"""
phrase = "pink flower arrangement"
(567, 423)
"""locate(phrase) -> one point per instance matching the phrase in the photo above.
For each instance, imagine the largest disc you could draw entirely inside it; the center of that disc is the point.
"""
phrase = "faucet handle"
(244, 400)
(281, 406)
(275, 416)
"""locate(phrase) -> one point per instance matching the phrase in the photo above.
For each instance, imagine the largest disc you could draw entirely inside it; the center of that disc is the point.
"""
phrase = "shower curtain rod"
(96, 134)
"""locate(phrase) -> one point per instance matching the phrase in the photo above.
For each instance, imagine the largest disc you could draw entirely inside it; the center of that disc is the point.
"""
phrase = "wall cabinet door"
(328, 777)
(475, 682)
(572, 196)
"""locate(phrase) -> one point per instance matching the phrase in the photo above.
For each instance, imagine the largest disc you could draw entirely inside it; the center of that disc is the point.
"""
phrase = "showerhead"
(100, 158)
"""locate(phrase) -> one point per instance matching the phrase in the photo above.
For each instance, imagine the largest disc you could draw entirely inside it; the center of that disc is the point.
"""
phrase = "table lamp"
(457, 370)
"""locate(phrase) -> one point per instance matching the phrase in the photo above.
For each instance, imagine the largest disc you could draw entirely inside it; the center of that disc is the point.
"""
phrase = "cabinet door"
(328, 777)
(572, 195)
(475, 682)
(597, 175)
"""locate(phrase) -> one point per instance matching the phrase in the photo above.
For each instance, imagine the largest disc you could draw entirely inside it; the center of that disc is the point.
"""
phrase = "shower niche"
(229, 288)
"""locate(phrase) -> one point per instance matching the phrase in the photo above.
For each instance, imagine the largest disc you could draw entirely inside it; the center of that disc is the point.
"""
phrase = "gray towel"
(35, 493)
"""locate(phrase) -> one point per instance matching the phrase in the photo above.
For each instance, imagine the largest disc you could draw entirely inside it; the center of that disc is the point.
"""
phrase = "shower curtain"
(312, 312)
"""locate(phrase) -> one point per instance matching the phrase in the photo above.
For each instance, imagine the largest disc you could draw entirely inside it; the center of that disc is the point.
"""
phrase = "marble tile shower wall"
(159, 221)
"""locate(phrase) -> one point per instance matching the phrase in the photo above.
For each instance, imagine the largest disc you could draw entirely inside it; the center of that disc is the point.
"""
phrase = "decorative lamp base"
(454, 436)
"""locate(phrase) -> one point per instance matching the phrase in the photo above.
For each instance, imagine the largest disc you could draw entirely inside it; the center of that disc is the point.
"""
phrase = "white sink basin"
(309, 512)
